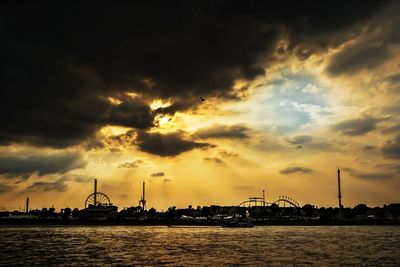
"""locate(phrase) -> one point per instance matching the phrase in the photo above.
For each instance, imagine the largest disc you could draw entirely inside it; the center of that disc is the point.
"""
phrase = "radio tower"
(339, 194)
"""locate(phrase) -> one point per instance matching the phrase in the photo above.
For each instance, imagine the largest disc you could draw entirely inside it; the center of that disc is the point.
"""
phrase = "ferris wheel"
(97, 199)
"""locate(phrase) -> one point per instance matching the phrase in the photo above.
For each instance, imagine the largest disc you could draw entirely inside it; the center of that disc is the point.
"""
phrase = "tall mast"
(339, 193)
(95, 192)
(263, 198)
(27, 204)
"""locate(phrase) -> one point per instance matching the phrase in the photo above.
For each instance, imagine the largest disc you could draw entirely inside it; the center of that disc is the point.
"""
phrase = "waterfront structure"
(98, 206)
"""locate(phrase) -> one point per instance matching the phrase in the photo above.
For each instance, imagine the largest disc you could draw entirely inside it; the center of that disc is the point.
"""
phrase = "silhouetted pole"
(263, 198)
(143, 200)
(339, 194)
(95, 192)
(27, 204)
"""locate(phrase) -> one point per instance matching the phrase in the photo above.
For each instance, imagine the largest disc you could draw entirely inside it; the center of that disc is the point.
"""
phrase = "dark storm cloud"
(4, 188)
(24, 166)
(373, 48)
(58, 186)
(171, 144)
(391, 148)
(61, 60)
(357, 58)
(223, 131)
(354, 127)
(296, 169)
(157, 174)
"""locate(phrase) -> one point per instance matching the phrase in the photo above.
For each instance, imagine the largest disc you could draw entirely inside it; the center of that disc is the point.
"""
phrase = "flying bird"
(202, 99)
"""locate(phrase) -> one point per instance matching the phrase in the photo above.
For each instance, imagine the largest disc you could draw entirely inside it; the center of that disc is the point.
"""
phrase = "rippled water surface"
(212, 246)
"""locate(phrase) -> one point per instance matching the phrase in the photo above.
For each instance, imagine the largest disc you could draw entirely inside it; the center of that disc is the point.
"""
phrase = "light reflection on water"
(212, 246)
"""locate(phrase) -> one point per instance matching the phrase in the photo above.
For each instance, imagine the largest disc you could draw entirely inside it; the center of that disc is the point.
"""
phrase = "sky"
(112, 90)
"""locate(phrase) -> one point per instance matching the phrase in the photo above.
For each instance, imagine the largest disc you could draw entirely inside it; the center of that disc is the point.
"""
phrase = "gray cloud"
(227, 154)
(158, 174)
(58, 186)
(299, 139)
(171, 144)
(82, 179)
(214, 159)
(389, 166)
(42, 164)
(354, 127)
(223, 131)
(391, 129)
(166, 180)
(133, 164)
(391, 148)
(373, 47)
(296, 169)
(372, 175)
(4, 188)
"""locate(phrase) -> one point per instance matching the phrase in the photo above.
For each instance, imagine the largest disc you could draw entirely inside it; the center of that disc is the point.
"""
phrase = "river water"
(211, 246)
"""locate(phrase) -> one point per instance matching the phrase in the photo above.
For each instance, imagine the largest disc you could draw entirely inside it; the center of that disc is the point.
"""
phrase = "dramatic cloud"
(58, 186)
(296, 169)
(171, 144)
(372, 48)
(59, 94)
(391, 148)
(133, 164)
(4, 188)
(215, 160)
(354, 127)
(42, 164)
(158, 174)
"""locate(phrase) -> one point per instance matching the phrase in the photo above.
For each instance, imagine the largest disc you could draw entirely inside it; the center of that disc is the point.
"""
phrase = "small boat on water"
(238, 223)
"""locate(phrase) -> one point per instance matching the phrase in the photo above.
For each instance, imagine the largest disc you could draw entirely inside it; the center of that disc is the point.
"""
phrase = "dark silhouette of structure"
(98, 206)
(142, 201)
(263, 198)
(339, 194)
(260, 201)
(27, 205)
(97, 198)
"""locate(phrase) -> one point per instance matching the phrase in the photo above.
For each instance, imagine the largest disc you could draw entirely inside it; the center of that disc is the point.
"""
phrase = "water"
(211, 246)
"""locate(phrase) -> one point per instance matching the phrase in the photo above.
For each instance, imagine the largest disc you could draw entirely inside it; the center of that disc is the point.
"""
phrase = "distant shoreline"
(22, 222)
